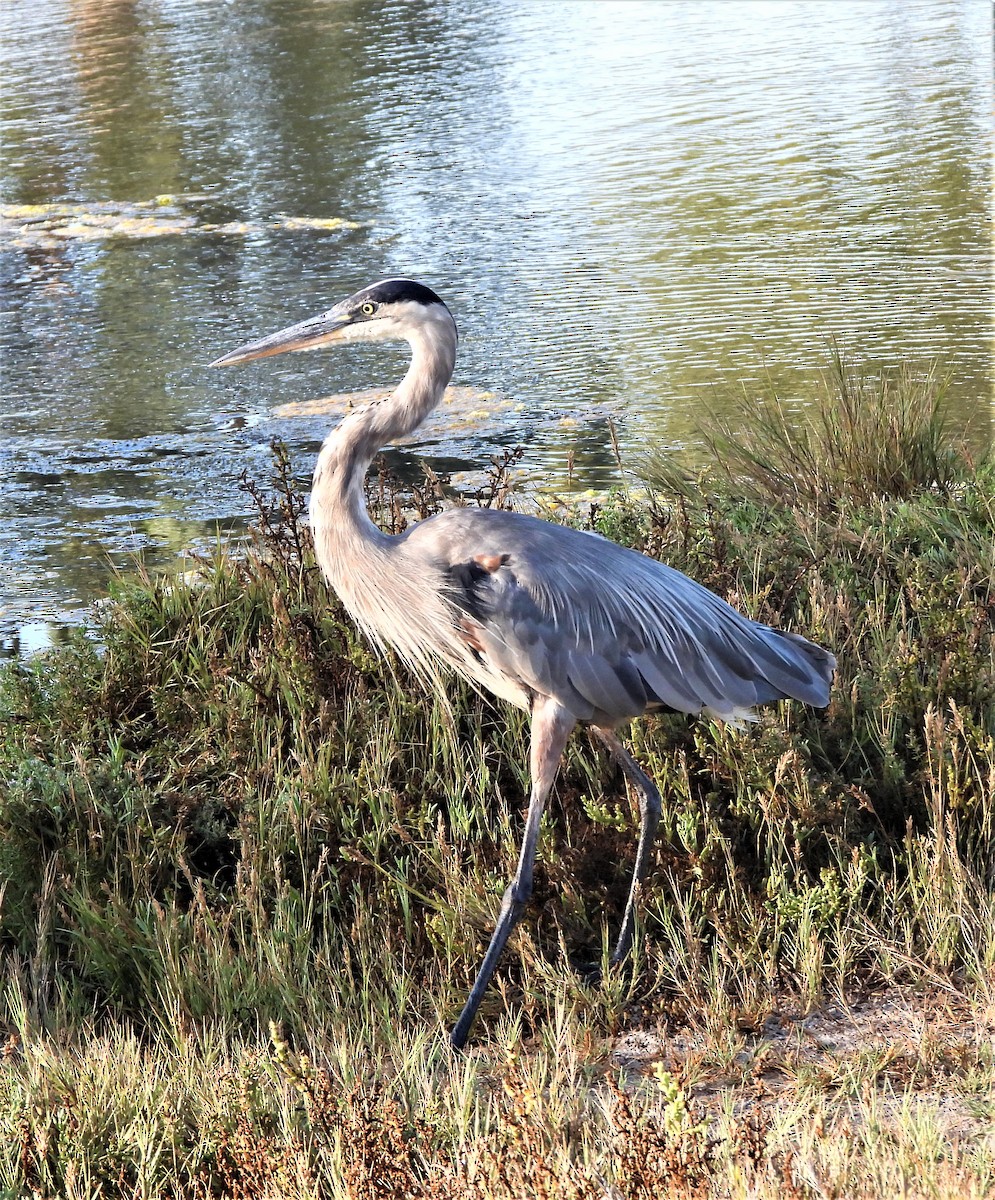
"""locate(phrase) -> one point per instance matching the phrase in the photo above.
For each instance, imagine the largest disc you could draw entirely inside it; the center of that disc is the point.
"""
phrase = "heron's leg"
(649, 812)
(551, 727)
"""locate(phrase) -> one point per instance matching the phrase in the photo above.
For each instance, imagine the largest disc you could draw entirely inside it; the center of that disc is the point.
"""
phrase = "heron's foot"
(456, 1044)
(592, 974)
(589, 973)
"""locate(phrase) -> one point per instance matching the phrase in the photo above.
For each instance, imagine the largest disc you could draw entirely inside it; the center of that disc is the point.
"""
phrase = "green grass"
(248, 871)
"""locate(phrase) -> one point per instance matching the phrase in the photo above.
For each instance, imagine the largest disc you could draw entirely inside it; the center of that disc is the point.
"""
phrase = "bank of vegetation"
(247, 871)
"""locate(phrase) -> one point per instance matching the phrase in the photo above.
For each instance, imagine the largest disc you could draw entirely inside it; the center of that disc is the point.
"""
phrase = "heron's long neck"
(339, 520)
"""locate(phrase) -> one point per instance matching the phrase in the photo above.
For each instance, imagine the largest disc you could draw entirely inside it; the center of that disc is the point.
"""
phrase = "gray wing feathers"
(610, 632)
(601, 683)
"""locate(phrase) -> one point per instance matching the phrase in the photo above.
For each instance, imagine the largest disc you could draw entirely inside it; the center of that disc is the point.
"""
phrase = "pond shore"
(248, 871)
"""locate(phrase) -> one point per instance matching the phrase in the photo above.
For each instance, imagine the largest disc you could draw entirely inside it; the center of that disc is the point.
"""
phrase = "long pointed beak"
(305, 335)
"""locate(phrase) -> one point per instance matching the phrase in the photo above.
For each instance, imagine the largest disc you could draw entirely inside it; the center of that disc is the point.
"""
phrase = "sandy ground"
(935, 1050)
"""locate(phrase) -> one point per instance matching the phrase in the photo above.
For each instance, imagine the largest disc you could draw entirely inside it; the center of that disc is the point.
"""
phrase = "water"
(633, 209)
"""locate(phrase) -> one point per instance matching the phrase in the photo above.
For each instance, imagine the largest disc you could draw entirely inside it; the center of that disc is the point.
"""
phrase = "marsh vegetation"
(248, 870)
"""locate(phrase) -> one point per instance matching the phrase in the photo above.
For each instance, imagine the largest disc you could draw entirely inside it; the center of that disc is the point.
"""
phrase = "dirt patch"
(894, 1050)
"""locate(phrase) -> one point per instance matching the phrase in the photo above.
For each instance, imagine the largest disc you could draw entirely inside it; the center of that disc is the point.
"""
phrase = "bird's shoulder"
(528, 549)
(512, 566)
(530, 543)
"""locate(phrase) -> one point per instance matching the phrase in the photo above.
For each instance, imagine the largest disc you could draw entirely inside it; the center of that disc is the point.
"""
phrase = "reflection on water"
(632, 207)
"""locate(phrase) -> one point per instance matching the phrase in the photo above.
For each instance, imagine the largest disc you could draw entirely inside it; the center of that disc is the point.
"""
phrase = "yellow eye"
(369, 309)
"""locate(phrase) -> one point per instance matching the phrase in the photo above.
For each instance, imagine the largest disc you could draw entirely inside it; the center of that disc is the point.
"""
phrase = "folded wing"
(606, 631)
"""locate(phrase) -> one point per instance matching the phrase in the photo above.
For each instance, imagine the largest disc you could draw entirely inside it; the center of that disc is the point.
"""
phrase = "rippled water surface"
(632, 209)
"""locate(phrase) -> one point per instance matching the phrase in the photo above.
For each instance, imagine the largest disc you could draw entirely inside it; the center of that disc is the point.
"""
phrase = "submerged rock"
(462, 408)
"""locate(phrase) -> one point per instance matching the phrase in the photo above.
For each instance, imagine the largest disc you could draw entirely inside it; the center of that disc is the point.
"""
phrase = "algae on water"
(47, 226)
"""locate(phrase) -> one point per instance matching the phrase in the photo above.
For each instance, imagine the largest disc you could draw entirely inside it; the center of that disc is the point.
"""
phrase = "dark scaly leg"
(551, 727)
(649, 812)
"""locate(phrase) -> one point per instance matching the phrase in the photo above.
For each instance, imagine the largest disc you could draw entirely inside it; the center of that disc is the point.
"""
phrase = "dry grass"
(891, 1099)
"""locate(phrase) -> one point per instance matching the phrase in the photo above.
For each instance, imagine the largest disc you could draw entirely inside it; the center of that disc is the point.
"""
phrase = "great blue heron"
(565, 624)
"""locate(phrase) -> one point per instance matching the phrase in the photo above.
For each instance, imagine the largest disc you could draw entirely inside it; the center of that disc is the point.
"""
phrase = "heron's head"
(391, 310)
